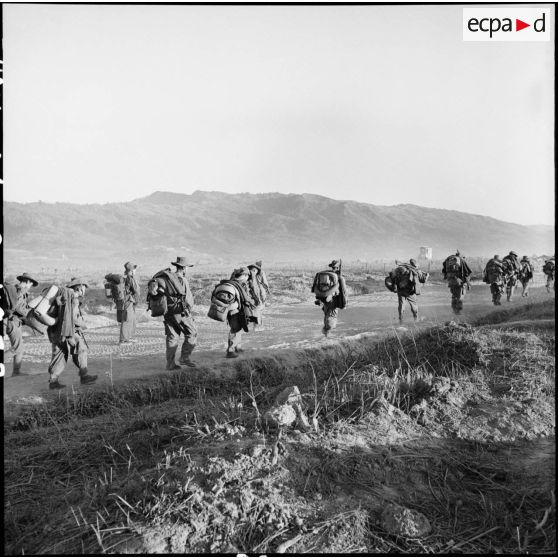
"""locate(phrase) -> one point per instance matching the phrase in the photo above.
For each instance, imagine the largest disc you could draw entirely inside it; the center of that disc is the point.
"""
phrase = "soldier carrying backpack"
(511, 273)
(259, 287)
(15, 306)
(331, 294)
(494, 275)
(169, 295)
(548, 270)
(405, 280)
(124, 290)
(525, 274)
(456, 272)
(232, 301)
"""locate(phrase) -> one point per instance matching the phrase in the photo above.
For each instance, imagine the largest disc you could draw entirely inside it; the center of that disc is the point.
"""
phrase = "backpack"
(548, 267)
(493, 271)
(404, 279)
(453, 266)
(526, 271)
(223, 300)
(326, 285)
(115, 283)
(390, 283)
(8, 298)
(43, 306)
(511, 266)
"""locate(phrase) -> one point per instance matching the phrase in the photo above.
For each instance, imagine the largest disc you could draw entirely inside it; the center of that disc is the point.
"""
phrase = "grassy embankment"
(455, 421)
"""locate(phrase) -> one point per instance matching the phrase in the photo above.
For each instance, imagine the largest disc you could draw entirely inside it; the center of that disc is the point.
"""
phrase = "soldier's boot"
(187, 361)
(16, 371)
(53, 383)
(86, 378)
(171, 364)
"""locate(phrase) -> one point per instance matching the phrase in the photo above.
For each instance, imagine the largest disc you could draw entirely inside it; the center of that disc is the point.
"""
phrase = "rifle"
(340, 264)
(84, 339)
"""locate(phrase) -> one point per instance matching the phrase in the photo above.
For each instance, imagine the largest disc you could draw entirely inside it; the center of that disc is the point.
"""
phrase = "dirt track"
(287, 326)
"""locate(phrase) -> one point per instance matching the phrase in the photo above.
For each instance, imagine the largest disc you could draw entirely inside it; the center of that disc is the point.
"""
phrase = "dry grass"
(164, 466)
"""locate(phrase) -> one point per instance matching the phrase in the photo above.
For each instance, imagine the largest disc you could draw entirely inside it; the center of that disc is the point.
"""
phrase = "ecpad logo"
(506, 24)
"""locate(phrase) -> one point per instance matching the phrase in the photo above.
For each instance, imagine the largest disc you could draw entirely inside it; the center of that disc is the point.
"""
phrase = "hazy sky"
(379, 104)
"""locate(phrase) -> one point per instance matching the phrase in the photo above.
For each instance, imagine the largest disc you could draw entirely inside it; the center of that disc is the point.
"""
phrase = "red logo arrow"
(519, 25)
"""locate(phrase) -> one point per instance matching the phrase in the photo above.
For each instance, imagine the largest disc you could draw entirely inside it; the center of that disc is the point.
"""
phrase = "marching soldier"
(173, 289)
(511, 273)
(15, 305)
(494, 276)
(456, 272)
(131, 299)
(66, 335)
(331, 294)
(525, 275)
(239, 319)
(408, 278)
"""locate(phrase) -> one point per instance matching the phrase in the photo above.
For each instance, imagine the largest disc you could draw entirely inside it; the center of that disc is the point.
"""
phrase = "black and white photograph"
(278, 278)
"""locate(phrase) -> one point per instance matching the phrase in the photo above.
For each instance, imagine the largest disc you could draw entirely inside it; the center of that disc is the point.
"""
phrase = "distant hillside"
(217, 227)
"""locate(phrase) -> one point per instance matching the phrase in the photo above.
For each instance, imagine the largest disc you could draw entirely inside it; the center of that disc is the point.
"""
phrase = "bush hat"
(128, 266)
(181, 261)
(241, 271)
(27, 277)
(334, 263)
(76, 282)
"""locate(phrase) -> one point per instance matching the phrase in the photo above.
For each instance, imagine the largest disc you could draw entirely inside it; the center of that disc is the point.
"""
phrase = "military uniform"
(66, 336)
(550, 285)
(511, 273)
(331, 313)
(131, 298)
(457, 282)
(246, 312)
(525, 275)
(178, 319)
(410, 291)
(259, 289)
(14, 319)
(495, 279)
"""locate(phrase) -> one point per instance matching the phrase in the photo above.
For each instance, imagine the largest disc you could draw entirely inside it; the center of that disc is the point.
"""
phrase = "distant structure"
(425, 253)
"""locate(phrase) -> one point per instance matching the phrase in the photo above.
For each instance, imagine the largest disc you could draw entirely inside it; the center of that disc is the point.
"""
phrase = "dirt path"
(287, 327)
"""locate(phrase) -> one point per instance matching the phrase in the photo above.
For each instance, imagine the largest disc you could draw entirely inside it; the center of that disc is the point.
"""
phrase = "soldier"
(456, 272)
(548, 270)
(494, 276)
(525, 274)
(260, 288)
(179, 302)
(329, 288)
(408, 278)
(66, 334)
(239, 318)
(511, 273)
(15, 300)
(131, 298)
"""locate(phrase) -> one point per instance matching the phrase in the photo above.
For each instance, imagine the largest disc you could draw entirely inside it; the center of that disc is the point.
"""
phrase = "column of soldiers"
(170, 291)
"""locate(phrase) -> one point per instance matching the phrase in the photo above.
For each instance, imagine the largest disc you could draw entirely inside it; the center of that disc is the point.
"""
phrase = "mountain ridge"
(213, 226)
